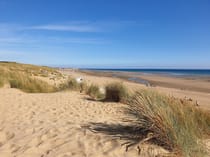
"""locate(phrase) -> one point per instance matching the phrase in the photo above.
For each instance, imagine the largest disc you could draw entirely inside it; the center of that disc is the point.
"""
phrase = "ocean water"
(175, 72)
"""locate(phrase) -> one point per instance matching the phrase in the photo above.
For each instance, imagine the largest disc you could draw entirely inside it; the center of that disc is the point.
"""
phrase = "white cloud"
(72, 28)
(41, 40)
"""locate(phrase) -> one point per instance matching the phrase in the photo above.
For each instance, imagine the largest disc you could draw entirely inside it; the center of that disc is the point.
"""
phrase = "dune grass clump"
(116, 92)
(94, 92)
(23, 76)
(1, 81)
(27, 84)
(16, 76)
(175, 126)
(72, 84)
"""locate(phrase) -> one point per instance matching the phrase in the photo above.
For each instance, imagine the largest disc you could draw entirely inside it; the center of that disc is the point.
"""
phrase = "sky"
(106, 33)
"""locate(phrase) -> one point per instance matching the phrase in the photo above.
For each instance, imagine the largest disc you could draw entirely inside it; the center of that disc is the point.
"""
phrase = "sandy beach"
(55, 124)
(195, 88)
(51, 125)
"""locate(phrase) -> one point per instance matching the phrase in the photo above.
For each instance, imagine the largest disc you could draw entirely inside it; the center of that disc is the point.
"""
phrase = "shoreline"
(174, 88)
(192, 83)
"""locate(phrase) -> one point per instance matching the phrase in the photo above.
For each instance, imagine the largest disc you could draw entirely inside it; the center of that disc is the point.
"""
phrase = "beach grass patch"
(1, 81)
(20, 76)
(72, 84)
(94, 92)
(175, 126)
(116, 92)
(27, 84)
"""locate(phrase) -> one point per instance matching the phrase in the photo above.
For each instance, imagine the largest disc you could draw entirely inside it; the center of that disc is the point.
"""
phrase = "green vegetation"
(176, 125)
(94, 92)
(72, 84)
(25, 78)
(31, 70)
(21, 76)
(116, 92)
(28, 84)
(1, 81)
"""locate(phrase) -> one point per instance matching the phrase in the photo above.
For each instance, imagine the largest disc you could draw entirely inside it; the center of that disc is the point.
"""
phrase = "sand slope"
(49, 125)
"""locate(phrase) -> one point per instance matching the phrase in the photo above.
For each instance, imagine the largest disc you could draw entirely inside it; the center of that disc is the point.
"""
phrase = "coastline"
(173, 88)
(56, 124)
(197, 83)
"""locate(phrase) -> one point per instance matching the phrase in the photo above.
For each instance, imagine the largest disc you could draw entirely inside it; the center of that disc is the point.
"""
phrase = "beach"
(196, 88)
(57, 124)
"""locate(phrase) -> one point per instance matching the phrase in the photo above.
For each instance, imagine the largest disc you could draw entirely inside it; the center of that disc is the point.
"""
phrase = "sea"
(174, 72)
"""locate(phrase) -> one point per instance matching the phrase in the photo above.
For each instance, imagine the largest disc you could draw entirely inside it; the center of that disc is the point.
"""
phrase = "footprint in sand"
(6, 136)
(30, 131)
(14, 148)
(36, 141)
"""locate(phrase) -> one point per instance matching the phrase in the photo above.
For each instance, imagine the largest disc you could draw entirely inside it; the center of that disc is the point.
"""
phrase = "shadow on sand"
(131, 135)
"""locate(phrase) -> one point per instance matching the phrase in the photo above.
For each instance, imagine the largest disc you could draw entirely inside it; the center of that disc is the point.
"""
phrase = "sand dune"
(50, 125)
(56, 124)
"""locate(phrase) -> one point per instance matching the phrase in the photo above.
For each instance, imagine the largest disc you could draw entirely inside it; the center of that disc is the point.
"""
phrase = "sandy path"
(49, 125)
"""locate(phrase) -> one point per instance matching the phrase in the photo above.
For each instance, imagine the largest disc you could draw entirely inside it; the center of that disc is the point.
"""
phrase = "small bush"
(94, 92)
(116, 92)
(175, 126)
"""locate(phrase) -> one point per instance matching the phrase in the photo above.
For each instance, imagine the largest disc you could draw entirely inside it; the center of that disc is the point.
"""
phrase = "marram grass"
(72, 84)
(21, 76)
(176, 126)
(116, 92)
(94, 92)
(30, 85)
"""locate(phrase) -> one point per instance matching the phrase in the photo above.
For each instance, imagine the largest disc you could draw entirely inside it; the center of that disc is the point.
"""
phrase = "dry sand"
(51, 125)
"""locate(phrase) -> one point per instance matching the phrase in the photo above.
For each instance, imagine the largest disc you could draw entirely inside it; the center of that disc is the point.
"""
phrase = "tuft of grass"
(72, 84)
(116, 92)
(1, 81)
(27, 84)
(176, 126)
(94, 92)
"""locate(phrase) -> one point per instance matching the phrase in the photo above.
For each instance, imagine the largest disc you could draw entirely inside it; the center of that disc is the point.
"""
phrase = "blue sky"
(106, 33)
